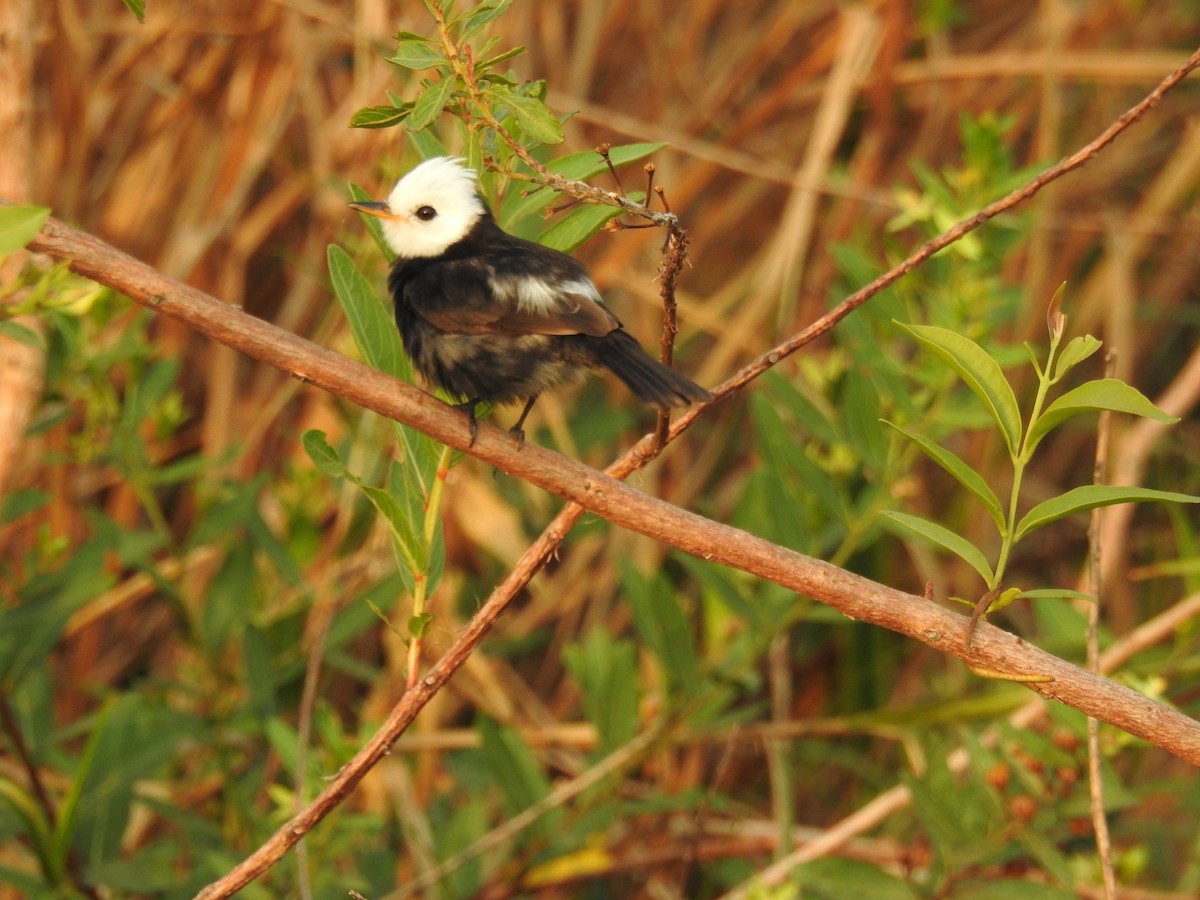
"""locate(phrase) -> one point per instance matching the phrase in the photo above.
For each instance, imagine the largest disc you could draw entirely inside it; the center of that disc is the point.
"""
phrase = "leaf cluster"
(983, 376)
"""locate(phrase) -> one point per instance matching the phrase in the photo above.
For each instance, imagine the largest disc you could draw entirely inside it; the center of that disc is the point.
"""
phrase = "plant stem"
(1021, 458)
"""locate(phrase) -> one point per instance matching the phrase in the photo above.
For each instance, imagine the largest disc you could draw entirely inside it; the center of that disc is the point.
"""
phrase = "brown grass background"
(212, 141)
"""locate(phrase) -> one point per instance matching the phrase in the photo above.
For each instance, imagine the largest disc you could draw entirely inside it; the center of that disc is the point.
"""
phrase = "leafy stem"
(983, 375)
(483, 100)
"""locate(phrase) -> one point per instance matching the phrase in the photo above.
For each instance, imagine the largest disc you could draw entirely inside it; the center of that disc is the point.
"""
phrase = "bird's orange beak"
(374, 208)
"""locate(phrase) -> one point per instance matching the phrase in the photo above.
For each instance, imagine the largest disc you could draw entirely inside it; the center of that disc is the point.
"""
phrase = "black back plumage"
(499, 319)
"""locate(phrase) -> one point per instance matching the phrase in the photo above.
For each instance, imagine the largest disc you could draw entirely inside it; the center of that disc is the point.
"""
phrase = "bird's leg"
(517, 430)
(469, 408)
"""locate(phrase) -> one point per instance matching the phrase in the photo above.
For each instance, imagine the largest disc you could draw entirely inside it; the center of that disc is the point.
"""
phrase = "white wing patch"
(537, 295)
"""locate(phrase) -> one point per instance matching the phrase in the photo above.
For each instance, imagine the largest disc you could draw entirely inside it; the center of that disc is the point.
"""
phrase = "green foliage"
(505, 124)
(983, 376)
(19, 225)
(138, 8)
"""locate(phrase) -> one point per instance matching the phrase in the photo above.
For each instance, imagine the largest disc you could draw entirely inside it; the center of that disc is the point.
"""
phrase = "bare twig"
(1096, 589)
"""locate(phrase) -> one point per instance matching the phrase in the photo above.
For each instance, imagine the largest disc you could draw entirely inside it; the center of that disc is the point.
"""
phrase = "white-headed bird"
(495, 318)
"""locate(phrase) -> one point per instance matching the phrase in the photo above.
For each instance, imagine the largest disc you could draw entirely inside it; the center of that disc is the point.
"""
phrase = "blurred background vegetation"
(198, 625)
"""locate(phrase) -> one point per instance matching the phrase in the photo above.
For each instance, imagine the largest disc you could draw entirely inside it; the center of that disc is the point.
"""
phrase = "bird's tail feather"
(654, 383)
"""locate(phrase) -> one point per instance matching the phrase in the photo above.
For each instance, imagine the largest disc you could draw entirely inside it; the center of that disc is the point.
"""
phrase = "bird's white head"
(431, 208)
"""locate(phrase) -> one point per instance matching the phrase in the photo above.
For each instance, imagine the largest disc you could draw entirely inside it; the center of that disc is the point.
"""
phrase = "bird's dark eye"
(425, 213)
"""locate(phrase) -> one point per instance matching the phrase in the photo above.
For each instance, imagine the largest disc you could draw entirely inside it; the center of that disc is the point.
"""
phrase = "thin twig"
(1096, 589)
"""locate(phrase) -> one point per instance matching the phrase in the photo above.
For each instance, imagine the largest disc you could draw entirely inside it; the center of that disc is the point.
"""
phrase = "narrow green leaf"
(19, 225)
(662, 624)
(504, 56)
(68, 810)
(138, 8)
(964, 474)
(380, 116)
(324, 457)
(859, 402)
(981, 373)
(1055, 594)
(417, 53)
(38, 829)
(21, 334)
(516, 772)
(405, 529)
(430, 104)
(576, 227)
(1090, 496)
(534, 117)
(1077, 350)
(1103, 393)
(944, 538)
(473, 20)
(605, 668)
(370, 321)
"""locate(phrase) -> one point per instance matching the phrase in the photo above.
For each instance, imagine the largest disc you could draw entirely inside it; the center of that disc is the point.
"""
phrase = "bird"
(494, 318)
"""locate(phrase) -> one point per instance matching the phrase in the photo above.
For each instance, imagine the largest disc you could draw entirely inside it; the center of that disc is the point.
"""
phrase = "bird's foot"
(518, 430)
(469, 408)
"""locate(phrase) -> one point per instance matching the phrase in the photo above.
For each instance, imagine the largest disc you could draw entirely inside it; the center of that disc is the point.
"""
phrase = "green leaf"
(662, 624)
(324, 457)
(474, 19)
(19, 225)
(485, 64)
(1055, 594)
(964, 474)
(859, 402)
(981, 373)
(576, 227)
(532, 115)
(605, 668)
(405, 530)
(418, 625)
(516, 771)
(68, 811)
(430, 104)
(1077, 350)
(380, 116)
(22, 335)
(1090, 496)
(944, 538)
(138, 8)
(1103, 393)
(417, 53)
(370, 321)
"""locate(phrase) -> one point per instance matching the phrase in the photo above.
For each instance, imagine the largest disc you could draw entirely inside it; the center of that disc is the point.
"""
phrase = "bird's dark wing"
(476, 295)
